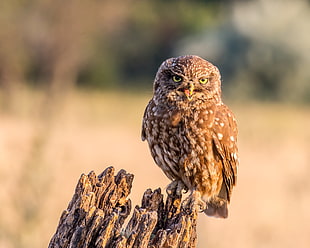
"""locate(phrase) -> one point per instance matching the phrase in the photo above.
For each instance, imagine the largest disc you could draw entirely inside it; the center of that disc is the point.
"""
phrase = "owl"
(191, 133)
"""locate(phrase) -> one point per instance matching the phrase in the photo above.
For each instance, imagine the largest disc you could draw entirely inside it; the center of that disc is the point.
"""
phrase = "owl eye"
(177, 78)
(203, 80)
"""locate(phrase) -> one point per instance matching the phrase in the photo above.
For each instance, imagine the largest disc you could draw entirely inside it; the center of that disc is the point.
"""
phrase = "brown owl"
(191, 133)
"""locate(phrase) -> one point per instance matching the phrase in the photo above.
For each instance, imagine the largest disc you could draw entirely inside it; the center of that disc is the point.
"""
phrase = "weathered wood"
(96, 214)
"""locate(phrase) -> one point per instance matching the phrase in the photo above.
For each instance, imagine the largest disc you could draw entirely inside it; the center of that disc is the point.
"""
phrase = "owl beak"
(189, 91)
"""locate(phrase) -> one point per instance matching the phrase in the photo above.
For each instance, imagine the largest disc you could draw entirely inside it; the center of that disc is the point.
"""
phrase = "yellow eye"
(203, 80)
(177, 78)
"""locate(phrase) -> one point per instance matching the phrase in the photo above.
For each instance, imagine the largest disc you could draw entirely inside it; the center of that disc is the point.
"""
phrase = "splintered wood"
(96, 214)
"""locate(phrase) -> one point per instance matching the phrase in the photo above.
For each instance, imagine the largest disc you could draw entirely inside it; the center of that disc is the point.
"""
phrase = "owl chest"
(180, 142)
(182, 134)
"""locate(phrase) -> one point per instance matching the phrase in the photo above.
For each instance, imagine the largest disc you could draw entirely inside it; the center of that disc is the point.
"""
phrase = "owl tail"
(217, 207)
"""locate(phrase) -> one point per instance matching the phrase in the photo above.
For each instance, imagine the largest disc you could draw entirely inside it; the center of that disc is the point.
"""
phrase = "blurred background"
(75, 77)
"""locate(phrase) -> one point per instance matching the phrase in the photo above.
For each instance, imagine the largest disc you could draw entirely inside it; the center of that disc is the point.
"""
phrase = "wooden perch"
(96, 214)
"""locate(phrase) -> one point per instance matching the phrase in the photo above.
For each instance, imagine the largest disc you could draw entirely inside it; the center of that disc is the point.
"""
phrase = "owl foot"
(194, 200)
(176, 186)
(201, 204)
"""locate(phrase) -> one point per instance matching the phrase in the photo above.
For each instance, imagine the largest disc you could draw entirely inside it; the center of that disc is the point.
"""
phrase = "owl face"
(187, 79)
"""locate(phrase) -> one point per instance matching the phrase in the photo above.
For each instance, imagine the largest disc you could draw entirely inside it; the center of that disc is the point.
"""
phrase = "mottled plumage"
(191, 133)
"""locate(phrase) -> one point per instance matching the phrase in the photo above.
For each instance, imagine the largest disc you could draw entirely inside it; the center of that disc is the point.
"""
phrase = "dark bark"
(96, 214)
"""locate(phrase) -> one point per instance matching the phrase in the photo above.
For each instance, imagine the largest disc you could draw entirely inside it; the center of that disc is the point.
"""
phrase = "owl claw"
(194, 200)
(176, 186)
(202, 205)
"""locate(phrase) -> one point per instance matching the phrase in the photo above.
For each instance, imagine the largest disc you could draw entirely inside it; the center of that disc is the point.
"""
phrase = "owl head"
(187, 79)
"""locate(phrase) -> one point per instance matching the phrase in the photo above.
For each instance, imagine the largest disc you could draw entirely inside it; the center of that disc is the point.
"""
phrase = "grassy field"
(45, 147)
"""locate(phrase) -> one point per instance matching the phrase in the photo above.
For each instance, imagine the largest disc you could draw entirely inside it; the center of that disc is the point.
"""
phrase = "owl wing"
(224, 138)
(143, 134)
(144, 120)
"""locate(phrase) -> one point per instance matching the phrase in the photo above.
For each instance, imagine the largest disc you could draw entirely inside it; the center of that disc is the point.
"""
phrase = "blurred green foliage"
(120, 44)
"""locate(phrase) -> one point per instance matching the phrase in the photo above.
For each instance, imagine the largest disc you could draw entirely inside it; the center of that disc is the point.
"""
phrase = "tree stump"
(96, 214)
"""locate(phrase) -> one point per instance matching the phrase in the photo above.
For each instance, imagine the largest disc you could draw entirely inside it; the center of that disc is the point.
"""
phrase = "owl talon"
(194, 200)
(202, 205)
(176, 186)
